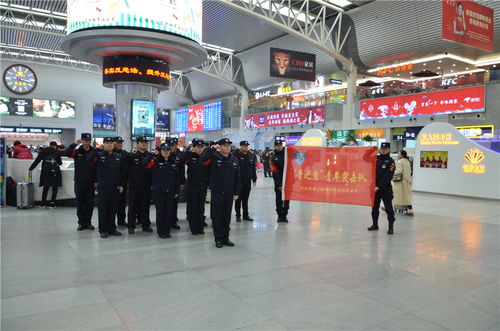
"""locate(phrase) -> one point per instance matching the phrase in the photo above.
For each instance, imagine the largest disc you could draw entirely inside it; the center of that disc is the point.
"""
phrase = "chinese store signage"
(393, 69)
(374, 133)
(290, 64)
(331, 174)
(474, 156)
(128, 69)
(437, 139)
(468, 23)
(456, 101)
(310, 115)
(477, 132)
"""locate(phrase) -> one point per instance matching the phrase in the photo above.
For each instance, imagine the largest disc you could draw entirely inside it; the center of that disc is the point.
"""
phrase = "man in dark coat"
(50, 176)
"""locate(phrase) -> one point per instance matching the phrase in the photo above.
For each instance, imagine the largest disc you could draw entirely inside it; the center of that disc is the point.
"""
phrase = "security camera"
(453, 117)
(432, 118)
(478, 115)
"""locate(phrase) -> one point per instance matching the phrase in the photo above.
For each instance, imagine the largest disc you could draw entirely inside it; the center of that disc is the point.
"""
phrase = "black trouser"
(138, 207)
(220, 208)
(164, 202)
(246, 187)
(173, 211)
(84, 193)
(121, 216)
(386, 196)
(107, 201)
(267, 169)
(195, 196)
(45, 192)
(281, 206)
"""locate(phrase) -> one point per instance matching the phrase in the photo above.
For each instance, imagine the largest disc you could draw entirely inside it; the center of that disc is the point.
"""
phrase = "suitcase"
(25, 194)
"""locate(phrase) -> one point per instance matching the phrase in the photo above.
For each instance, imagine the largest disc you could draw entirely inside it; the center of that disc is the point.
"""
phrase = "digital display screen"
(162, 120)
(309, 115)
(455, 101)
(53, 108)
(435, 160)
(131, 69)
(199, 118)
(180, 17)
(16, 106)
(104, 117)
(143, 118)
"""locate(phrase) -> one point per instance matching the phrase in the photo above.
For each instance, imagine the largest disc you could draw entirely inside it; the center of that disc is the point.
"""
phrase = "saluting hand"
(134, 151)
(376, 188)
(176, 196)
(120, 189)
(156, 152)
(236, 197)
(254, 183)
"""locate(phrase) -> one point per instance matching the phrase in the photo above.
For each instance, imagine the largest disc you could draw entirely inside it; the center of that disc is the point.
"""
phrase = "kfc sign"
(290, 64)
(457, 101)
(393, 69)
(311, 115)
(449, 81)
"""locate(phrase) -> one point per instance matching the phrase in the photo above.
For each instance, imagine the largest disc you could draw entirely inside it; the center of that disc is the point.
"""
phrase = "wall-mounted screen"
(199, 118)
(53, 108)
(162, 120)
(181, 17)
(143, 118)
(16, 106)
(104, 117)
(309, 115)
(435, 160)
(446, 102)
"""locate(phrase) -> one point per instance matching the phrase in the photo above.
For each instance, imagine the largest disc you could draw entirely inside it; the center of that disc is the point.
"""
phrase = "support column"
(125, 93)
(244, 109)
(348, 116)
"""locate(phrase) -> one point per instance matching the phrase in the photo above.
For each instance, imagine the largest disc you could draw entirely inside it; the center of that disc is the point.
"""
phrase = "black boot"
(374, 227)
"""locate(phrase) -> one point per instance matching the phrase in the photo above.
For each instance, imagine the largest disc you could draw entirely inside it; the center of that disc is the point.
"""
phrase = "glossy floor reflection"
(321, 271)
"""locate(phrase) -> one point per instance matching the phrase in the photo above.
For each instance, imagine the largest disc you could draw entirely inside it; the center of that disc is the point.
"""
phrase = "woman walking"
(402, 184)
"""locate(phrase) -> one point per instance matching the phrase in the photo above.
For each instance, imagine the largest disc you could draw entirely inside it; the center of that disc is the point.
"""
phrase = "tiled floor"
(321, 271)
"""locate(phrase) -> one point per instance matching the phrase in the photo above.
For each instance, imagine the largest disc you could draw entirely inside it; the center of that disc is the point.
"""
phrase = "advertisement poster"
(291, 64)
(309, 115)
(331, 174)
(53, 108)
(104, 117)
(143, 118)
(16, 106)
(181, 17)
(162, 120)
(436, 160)
(199, 118)
(468, 23)
(456, 101)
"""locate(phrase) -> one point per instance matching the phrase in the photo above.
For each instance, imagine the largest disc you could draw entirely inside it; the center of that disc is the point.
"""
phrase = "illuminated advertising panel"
(104, 117)
(435, 160)
(468, 23)
(162, 120)
(53, 108)
(131, 69)
(477, 131)
(309, 115)
(180, 17)
(446, 102)
(143, 118)
(291, 64)
(199, 118)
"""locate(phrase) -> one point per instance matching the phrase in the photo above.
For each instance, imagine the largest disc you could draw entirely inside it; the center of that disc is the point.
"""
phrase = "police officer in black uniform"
(176, 156)
(277, 165)
(383, 189)
(85, 174)
(225, 184)
(248, 175)
(196, 186)
(139, 187)
(110, 184)
(122, 200)
(165, 187)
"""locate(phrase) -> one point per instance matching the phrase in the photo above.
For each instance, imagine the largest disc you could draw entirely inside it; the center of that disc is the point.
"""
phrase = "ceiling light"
(467, 68)
(494, 66)
(425, 64)
(454, 64)
(440, 61)
(439, 67)
(451, 70)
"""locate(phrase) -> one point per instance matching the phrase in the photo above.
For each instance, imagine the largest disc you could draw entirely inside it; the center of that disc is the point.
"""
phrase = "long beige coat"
(403, 189)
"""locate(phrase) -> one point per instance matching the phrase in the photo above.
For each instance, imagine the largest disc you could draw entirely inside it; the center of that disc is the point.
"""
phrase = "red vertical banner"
(195, 118)
(468, 23)
(344, 175)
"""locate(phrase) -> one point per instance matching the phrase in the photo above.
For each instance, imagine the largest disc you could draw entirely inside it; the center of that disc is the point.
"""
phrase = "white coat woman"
(402, 184)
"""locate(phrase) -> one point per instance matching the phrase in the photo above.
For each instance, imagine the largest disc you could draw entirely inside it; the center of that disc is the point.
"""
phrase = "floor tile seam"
(266, 321)
(60, 288)
(431, 322)
(223, 279)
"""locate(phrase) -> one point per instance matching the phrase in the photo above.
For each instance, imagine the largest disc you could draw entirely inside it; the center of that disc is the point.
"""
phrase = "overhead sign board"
(24, 129)
(310, 115)
(291, 64)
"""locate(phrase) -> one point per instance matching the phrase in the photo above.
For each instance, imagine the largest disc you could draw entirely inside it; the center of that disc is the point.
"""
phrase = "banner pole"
(284, 173)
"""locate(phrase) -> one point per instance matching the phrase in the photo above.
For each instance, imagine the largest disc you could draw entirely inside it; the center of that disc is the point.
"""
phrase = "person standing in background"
(21, 151)
(266, 157)
(277, 165)
(176, 155)
(248, 175)
(121, 216)
(85, 174)
(402, 183)
(50, 176)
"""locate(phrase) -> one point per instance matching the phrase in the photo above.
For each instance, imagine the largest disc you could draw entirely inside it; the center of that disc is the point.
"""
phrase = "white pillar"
(125, 93)
(347, 119)
(243, 108)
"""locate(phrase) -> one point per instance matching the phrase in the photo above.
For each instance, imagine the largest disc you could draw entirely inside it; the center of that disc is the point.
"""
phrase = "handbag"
(397, 178)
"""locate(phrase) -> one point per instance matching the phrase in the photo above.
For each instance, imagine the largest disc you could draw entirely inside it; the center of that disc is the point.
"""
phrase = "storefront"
(34, 136)
(370, 137)
(405, 138)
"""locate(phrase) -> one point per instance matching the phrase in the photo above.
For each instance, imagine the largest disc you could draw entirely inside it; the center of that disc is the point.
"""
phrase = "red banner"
(468, 23)
(456, 101)
(310, 115)
(331, 174)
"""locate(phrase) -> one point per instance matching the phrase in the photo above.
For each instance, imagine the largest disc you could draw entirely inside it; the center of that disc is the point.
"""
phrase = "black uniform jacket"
(224, 172)
(197, 173)
(248, 167)
(164, 173)
(85, 171)
(110, 168)
(278, 167)
(139, 177)
(385, 170)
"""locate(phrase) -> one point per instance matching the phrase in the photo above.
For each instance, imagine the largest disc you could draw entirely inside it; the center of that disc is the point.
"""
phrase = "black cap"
(165, 146)
(172, 140)
(224, 141)
(385, 145)
(244, 143)
(109, 139)
(86, 136)
(278, 142)
(119, 139)
(198, 142)
(142, 138)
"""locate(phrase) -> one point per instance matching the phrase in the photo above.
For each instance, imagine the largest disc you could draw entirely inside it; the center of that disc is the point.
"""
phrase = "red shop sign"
(456, 101)
(310, 115)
